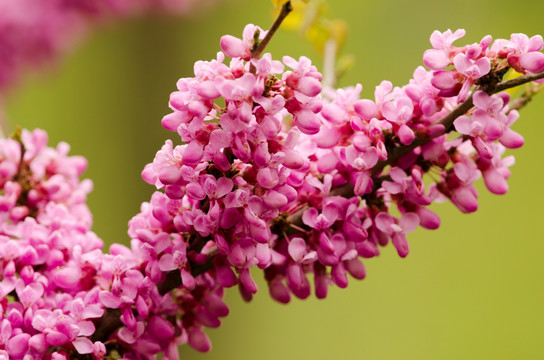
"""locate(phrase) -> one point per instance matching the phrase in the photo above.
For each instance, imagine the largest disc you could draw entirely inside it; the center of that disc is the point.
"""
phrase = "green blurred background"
(471, 290)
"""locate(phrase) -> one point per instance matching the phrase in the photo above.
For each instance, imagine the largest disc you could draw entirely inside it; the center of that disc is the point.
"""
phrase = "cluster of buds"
(48, 252)
(271, 171)
(56, 281)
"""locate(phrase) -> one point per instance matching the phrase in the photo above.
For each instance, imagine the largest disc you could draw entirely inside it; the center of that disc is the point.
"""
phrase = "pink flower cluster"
(56, 283)
(472, 62)
(34, 32)
(271, 171)
(48, 252)
(275, 175)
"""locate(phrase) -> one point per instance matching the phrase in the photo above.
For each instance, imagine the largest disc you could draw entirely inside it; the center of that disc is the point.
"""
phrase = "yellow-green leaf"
(511, 74)
(278, 3)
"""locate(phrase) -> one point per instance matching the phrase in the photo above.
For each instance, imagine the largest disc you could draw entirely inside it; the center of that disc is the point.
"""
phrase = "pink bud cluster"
(55, 281)
(273, 174)
(34, 32)
(228, 182)
(48, 253)
(474, 61)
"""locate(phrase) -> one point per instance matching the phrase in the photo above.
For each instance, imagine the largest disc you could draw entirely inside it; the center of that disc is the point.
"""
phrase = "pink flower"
(472, 69)
(178, 260)
(440, 57)
(322, 221)
(397, 229)
(523, 53)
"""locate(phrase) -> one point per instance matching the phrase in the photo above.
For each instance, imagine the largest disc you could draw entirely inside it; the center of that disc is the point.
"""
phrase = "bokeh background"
(471, 290)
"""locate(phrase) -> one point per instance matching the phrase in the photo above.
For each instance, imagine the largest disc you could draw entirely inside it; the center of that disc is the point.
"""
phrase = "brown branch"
(285, 10)
(109, 322)
(516, 82)
(173, 278)
(519, 103)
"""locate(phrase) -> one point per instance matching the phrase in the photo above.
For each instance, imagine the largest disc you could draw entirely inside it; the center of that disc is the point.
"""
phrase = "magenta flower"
(321, 221)
(178, 260)
(397, 229)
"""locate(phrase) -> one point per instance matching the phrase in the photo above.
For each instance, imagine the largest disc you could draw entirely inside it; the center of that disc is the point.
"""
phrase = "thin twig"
(285, 10)
(517, 82)
(526, 97)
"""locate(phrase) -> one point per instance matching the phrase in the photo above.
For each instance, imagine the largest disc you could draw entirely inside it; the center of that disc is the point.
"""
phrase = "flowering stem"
(448, 119)
(111, 318)
(110, 321)
(396, 153)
